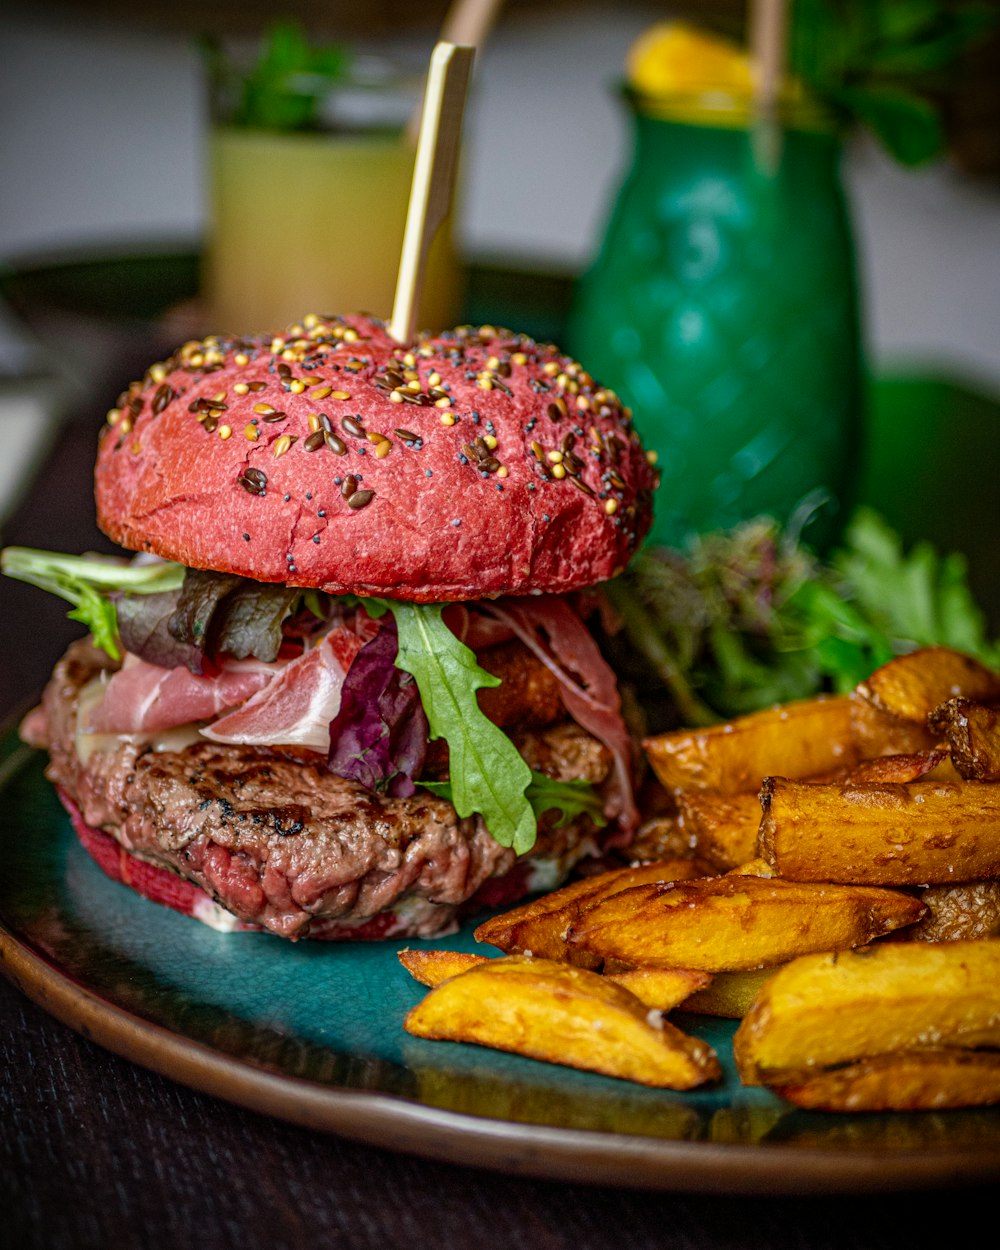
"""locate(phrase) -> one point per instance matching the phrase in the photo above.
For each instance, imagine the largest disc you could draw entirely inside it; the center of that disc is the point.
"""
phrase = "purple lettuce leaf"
(379, 736)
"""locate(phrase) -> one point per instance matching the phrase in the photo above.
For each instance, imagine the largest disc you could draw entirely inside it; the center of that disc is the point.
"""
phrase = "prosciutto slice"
(296, 706)
(549, 627)
(144, 698)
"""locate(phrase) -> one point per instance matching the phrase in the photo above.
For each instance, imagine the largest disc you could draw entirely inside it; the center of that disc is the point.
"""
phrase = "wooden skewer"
(468, 24)
(433, 178)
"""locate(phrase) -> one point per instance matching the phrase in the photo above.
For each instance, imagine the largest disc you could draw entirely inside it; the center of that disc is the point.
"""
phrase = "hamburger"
(344, 686)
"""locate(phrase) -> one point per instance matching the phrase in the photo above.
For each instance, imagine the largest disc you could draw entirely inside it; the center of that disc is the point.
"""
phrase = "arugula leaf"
(488, 775)
(569, 798)
(88, 582)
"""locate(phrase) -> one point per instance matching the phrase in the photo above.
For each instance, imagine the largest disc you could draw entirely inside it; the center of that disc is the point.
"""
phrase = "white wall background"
(101, 132)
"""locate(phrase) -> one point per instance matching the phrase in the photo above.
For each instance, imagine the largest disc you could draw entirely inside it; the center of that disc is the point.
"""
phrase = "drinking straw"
(768, 55)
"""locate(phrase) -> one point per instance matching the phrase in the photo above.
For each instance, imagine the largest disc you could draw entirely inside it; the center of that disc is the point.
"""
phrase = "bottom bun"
(246, 838)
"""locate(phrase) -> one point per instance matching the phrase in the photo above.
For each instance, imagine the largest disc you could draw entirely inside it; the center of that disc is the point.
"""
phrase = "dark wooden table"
(96, 1152)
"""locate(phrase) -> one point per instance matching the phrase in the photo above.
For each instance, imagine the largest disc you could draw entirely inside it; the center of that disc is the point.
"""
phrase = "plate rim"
(389, 1122)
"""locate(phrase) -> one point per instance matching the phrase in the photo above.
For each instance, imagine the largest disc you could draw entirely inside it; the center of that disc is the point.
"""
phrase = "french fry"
(722, 827)
(730, 994)
(970, 910)
(799, 739)
(433, 967)
(836, 1008)
(566, 1015)
(908, 1080)
(733, 923)
(662, 988)
(911, 686)
(921, 833)
(540, 927)
(972, 731)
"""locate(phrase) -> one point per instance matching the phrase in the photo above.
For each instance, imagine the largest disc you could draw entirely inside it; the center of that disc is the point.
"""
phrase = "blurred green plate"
(312, 1033)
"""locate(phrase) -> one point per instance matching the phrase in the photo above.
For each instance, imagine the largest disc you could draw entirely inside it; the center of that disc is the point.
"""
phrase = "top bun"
(469, 465)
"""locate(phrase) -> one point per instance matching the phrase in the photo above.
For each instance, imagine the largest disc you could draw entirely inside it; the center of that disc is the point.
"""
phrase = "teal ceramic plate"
(312, 1033)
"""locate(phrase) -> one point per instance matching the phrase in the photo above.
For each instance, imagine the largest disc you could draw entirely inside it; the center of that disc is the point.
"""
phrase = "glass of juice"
(311, 221)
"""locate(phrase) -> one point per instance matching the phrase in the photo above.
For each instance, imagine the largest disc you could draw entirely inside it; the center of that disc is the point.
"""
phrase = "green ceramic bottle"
(722, 307)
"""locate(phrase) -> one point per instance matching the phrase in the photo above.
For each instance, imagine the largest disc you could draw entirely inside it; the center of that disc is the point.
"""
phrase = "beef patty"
(282, 844)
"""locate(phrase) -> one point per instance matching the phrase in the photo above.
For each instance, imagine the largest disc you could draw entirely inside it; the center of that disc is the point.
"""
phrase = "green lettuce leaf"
(569, 798)
(488, 775)
(88, 582)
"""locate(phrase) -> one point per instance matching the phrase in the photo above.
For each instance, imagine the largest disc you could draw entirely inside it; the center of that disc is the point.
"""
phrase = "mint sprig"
(488, 775)
(87, 582)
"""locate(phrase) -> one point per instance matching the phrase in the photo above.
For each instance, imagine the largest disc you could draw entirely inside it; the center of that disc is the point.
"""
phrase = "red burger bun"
(473, 464)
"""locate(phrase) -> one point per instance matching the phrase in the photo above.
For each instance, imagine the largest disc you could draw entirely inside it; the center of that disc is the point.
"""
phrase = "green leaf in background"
(284, 88)
(749, 617)
(488, 775)
(908, 125)
(886, 64)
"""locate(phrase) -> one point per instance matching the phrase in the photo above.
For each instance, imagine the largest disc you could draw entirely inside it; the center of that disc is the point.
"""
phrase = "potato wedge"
(433, 967)
(895, 768)
(730, 994)
(970, 910)
(972, 732)
(911, 686)
(722, 828)
(835, 1008)
(907, 1080)
(561, 1014)
(659, 838)
(662, 988)
(797, 739)
(732, 923)
(875, 732)
(539, 927)
(922, 833)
